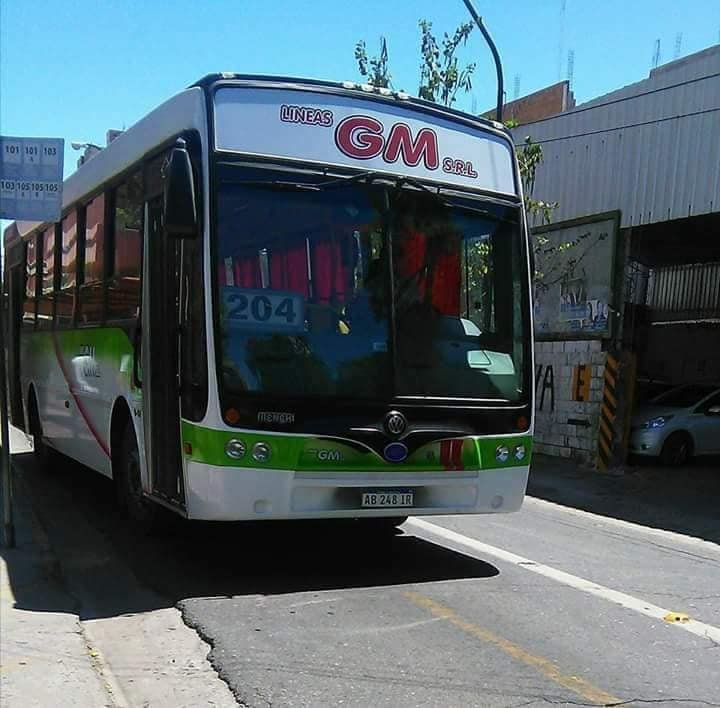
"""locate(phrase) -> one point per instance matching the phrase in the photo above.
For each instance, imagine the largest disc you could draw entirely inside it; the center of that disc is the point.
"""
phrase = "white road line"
(621, 523)
(701, 629)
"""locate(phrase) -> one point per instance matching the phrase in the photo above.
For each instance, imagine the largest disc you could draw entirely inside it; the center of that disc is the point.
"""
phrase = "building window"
(31, 283)
(124, 285)
(65, 298)
(90, 310)
(47, 288)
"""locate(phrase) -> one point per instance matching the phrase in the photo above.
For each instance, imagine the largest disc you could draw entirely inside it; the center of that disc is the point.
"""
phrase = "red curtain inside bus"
(287, 269)
(414, 264)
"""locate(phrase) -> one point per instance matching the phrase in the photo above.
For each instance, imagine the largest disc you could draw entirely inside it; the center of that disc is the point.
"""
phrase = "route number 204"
(263, 309)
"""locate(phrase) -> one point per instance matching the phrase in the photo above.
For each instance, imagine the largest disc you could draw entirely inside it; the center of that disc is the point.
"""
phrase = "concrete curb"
(94, 655)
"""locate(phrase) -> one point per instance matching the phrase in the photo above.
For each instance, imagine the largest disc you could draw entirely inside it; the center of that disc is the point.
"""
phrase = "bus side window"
(90, 306)
(65, 297)
(47, 275)
(124, 284)
(31, 282)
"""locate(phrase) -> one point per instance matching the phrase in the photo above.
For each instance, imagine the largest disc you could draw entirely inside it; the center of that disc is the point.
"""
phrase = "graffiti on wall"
(544, 384)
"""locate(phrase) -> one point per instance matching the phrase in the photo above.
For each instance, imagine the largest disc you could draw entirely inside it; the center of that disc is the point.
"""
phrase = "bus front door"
(160, 362)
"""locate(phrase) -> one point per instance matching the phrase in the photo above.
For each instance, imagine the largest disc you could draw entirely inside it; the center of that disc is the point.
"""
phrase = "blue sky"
(73, 68)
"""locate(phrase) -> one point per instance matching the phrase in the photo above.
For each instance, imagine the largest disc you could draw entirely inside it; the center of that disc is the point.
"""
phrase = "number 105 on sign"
(263, 309)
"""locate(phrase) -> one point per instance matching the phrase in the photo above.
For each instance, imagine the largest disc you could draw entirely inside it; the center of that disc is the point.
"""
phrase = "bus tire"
(142, 511)
(46, 458)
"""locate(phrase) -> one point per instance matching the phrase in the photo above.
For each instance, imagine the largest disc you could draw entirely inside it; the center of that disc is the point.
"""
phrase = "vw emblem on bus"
(395, 423)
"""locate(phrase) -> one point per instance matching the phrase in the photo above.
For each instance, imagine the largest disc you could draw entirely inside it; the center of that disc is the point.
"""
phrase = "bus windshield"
(368, 292)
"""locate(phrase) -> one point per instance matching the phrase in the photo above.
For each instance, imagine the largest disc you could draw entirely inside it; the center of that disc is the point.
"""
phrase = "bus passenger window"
(124, 285)
(65, 298)
(90, 310)
(31, 283)
(47, 288)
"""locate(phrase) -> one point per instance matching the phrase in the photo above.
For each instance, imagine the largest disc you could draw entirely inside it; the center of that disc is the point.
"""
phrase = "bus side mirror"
(181, 219)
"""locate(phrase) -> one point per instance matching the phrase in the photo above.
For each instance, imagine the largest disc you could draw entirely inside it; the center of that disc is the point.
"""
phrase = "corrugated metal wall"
(685, 288)
(651, 149)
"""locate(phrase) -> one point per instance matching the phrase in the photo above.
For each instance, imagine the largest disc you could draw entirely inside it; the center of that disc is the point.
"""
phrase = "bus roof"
(186, 111)
(367, 91)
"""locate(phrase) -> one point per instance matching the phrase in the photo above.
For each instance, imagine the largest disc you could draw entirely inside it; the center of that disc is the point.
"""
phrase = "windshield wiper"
(295, 185)
(276, 184)
(482, 212)
(370, 176)
(436, 193)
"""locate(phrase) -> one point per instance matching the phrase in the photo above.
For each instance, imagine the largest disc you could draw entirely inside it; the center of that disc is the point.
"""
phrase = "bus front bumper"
(239, 494)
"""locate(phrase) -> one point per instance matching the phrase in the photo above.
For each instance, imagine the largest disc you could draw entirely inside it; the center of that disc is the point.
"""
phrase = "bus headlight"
(520, 452)
(235, 448)
(261, 452)
(502, 453)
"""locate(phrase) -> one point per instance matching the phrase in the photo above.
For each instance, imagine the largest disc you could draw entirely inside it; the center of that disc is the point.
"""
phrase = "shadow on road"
(111, 570)
(683, 500)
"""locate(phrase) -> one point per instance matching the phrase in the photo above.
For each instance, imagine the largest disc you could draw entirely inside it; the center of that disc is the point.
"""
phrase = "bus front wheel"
(141, 510)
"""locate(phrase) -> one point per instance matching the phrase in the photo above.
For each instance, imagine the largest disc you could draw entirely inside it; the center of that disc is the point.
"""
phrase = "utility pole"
(678, 45)
(571, 68)
(656, 55)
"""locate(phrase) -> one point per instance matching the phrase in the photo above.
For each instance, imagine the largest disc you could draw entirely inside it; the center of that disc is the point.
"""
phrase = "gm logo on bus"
(395, 423)
(329, 455)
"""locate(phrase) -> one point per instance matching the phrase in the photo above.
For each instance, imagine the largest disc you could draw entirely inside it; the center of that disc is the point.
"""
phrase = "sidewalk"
(685, 500)
(45, 658)
(77, 626)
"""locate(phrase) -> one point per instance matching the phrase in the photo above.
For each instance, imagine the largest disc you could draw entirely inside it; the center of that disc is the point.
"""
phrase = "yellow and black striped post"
(608, 412)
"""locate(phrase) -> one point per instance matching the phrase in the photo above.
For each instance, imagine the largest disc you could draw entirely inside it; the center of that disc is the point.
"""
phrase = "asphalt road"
(546, 606)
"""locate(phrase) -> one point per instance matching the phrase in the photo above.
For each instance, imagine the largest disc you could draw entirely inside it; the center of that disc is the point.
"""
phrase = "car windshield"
(367, 292)
(684, 396)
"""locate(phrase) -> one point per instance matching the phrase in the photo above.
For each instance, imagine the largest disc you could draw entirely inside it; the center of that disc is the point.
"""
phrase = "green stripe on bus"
(300, 452)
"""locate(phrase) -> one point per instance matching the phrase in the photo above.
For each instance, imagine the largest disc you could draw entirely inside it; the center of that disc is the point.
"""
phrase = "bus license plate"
(380, 500)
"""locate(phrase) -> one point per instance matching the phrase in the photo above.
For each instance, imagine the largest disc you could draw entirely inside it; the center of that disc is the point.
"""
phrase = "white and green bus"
(277, 298)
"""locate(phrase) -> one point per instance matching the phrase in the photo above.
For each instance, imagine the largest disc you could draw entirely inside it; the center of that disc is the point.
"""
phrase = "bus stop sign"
(31, 178)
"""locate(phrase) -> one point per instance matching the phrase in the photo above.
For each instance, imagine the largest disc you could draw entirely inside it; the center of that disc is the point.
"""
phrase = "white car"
(678, 424)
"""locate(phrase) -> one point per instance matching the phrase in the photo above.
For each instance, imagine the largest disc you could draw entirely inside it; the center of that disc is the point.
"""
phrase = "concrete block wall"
(564, 426)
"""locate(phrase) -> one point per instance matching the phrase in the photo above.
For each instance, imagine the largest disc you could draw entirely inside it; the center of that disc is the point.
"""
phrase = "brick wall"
(565, 424)
(545, 103)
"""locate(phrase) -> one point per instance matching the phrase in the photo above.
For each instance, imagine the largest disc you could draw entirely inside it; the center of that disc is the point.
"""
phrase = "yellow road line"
(547, 668)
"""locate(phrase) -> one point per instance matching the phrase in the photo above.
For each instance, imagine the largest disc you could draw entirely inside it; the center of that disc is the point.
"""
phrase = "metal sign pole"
(5, 467)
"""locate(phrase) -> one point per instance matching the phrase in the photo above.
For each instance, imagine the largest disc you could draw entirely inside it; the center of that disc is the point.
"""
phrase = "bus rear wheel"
(142, 511)
(45, 457)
